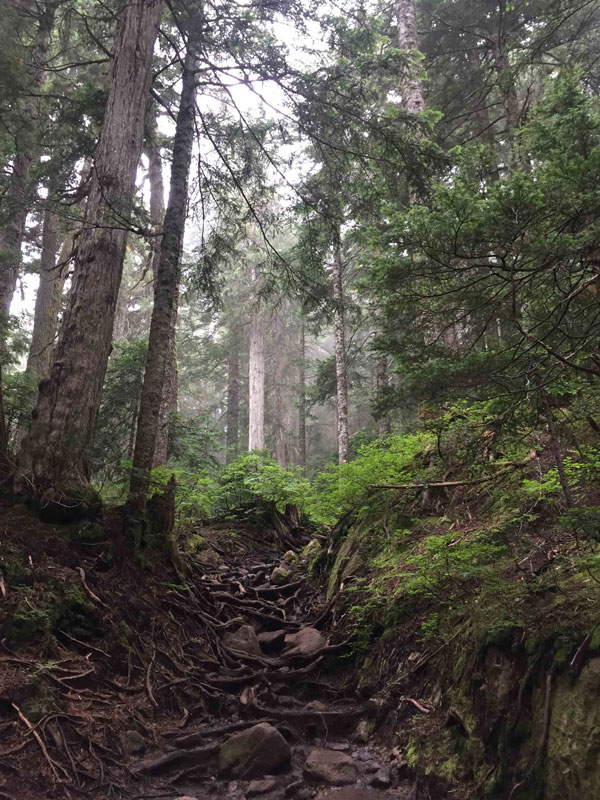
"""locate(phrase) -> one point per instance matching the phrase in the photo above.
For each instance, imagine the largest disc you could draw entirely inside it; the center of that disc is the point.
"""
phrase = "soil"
(115, 680)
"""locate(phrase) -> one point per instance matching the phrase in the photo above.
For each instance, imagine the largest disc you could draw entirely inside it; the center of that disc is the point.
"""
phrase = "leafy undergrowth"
(472, 600)
(94, 649)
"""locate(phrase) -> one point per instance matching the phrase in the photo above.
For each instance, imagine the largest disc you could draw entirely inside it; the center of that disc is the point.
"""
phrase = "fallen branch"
(450, 484)
(53, 764)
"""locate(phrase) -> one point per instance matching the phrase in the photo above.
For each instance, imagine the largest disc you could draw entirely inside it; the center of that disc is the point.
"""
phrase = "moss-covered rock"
(573, 756)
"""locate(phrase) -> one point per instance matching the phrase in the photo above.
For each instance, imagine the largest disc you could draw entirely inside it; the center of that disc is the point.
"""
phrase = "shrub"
(337, 489)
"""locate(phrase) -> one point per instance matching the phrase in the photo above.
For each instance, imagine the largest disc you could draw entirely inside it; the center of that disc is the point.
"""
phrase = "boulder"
(244, 640)
(305, 642)
(253, 753)
(330, 766)
(281, 575)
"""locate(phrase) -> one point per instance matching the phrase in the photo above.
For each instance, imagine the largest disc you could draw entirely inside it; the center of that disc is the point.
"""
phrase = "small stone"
(363, 755)
(280, 576)
(330, 766)
(306, 642)
(362, 732)
(244, 640)
(133, 742)
(341, 746)
(372, 766)
(290, 557)
(382, 778)
(261, 787)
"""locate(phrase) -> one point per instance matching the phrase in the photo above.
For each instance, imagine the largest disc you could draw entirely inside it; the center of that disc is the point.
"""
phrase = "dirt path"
(279, 721)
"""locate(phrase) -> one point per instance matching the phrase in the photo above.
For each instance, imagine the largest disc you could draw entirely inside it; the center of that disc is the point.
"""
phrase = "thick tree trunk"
(340, 349)
(233, 399)
(164, 312)
(256, 390)
(55, 457)
(302, 397)
(413, 98)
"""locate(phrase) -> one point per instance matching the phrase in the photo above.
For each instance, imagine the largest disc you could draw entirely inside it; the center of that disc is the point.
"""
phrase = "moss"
(28, 624)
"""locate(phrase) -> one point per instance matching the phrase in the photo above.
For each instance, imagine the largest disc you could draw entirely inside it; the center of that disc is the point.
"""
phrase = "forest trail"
(284, 720)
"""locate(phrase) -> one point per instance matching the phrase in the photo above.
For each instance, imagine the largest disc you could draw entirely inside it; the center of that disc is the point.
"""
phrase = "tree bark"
(168, 402)
(256, 391)
(49, 295)
(55, 457)
(157, 189)
(382, 383)
(233, 399)
(166, 292)
(302, 397)
(413, 99)
(19, 192)
(340, 349)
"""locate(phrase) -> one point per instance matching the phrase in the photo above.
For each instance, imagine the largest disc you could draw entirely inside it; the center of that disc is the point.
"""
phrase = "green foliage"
(254, 484)
(339, 488)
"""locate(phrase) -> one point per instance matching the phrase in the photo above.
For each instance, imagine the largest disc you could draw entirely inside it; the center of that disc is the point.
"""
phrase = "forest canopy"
(288, 229)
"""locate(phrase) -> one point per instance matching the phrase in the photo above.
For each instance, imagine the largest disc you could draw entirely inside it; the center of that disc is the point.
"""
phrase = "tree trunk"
(256, 391)
(233, 399)
(49, 295)
(340, 349)
(382, 383)
(413, 98)
(168, 402)
(157, 189)
(302, 397)
(55, 456)
(18, 195)
(164, 312)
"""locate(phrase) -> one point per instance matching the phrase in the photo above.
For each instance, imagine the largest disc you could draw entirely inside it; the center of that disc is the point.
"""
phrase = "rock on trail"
(274, 721)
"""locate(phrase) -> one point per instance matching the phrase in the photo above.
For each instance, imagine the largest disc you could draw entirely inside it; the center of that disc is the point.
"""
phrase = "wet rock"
(260, 787)
(281, 575)
(330, 766)
(305, 642)
(244, 640)
(133, 742)
(271, 638)
(254, 752)
(382, 778)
